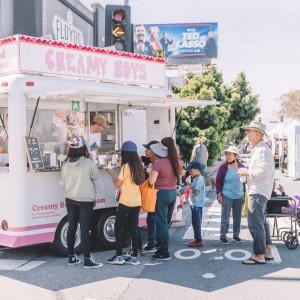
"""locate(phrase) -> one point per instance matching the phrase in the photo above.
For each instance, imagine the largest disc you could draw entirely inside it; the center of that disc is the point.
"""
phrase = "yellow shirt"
(130, 192)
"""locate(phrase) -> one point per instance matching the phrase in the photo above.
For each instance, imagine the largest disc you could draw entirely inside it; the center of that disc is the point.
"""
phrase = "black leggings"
(83, 212)
(126, 215)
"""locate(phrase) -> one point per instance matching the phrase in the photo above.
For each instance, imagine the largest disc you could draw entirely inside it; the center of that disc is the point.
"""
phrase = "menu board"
(33, 153)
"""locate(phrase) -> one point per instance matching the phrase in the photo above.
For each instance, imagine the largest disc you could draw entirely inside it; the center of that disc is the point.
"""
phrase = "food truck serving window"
(4, 137)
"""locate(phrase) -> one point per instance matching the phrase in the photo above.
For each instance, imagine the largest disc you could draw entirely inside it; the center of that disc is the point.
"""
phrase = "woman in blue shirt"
(230, 194)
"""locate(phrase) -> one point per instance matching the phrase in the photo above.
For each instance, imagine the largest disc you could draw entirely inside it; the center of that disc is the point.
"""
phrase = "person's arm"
(206, 155)
(152, 177)
(116, 182)
(112, 152)
(218, 185)
(195, 191)
(281, 190)
(1, 149)
(94, 174)
(193, 154)
(97, 157)
(262, 165)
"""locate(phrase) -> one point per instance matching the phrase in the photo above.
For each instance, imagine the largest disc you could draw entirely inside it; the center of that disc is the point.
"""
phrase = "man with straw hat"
(260, 177)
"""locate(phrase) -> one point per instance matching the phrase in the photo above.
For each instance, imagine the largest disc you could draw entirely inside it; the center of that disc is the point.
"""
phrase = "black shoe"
(224, 241)
(73, 260)
(90, 263)
(148, 249)
(161, 256)
(237, 239)
(158, 251)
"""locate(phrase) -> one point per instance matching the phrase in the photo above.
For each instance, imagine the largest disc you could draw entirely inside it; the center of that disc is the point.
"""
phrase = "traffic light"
(118, 31)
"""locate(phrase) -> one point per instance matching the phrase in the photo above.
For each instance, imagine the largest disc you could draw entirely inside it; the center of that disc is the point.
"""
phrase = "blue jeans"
(196, 221)
(258, 224)
(237, 206)
(202, 170)
(163, 211)
(152, 232)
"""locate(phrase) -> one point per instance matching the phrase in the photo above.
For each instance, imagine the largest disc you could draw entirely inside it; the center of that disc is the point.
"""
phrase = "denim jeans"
(237, 206)
(196, 221)
(258, 224)
(126, 215)
(82, 212)
(152, 232)
(163, 211)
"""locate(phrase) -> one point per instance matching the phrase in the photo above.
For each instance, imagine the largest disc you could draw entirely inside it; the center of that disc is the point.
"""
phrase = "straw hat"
(232, 149)
(101, 121)
(256, 126)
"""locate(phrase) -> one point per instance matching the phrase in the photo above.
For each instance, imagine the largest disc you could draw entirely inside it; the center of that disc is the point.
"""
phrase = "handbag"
(245, 211)
(148, 195)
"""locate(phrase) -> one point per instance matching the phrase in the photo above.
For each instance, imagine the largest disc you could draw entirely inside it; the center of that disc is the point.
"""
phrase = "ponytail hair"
(172, 155)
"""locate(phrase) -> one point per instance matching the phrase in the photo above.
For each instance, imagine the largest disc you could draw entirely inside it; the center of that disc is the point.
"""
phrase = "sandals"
(253, 262)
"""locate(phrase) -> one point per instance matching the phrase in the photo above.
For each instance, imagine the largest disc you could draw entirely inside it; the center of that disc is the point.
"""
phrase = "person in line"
(230, 194)
(260, 178)
(197, 197)
(130, 178)
(98, 123)
(199, 154)
(148, 161)
(78, 173)
(165, 174)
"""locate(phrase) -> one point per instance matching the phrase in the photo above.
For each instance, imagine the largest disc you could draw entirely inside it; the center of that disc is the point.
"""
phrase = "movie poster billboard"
(177, 40)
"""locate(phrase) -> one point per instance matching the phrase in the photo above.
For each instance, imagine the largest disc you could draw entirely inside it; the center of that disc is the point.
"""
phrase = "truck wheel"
(59, 245)
(103, 230)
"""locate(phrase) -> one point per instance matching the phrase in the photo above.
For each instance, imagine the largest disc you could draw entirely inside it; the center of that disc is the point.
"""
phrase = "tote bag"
(148, 194)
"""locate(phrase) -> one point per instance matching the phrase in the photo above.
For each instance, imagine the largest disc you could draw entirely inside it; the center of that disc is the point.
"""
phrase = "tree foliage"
(290, 105)
(237, 108)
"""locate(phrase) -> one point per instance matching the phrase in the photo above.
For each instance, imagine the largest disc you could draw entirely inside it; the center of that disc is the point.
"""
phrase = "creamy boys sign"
(67, 60)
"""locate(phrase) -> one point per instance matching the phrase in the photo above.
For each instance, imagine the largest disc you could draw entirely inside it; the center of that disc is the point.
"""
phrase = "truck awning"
(123, 99)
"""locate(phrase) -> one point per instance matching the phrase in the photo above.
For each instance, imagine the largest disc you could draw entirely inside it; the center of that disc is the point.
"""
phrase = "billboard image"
(177, 40)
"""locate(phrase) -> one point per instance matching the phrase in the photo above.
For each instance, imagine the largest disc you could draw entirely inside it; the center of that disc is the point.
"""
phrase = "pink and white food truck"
(71, 84)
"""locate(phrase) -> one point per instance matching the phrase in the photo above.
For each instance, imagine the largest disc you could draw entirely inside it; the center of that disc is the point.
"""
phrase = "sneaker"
(237, 239)
(130, 252)
(116, 260)
(90, 263)
(148, 249)
(158, 251)
(73, 260)
(224, 241)
(132, 260)
(196, 244)
(162, 256)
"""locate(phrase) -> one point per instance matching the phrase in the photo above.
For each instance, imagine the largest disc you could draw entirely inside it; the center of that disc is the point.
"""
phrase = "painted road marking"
(30, 265)
(208, 275)
(178, 253)
(229, 253)
(20, 265)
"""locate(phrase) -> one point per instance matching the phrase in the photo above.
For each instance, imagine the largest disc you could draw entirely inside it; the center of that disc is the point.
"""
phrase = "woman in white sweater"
(78, 173)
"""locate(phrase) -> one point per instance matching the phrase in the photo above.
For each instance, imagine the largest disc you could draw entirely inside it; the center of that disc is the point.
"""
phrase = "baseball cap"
(128, 146)
(77, 142)
(193, 165)
(147, 146)
(99, 119)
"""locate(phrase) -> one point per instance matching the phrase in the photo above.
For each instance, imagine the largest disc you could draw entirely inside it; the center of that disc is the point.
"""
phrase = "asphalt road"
(212, 272)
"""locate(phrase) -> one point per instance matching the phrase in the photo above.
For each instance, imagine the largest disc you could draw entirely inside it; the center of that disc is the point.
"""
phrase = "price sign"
(33, 153)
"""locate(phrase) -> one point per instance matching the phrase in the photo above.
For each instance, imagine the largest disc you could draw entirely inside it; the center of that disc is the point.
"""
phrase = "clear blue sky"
(260, 37)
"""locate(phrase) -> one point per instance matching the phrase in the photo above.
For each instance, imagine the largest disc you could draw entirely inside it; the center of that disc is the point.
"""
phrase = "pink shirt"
(166, 179)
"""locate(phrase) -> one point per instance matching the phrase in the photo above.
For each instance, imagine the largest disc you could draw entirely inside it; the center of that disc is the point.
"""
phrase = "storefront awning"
(123, 99)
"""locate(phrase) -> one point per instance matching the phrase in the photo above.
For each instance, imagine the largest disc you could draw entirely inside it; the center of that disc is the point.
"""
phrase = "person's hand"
(188, 183)
(110, 171)
(243, 172)
(280, 188)
(90, 156)
(1, 149)
(111, 152)
(219, 198)
(178, 194)
(94, 203)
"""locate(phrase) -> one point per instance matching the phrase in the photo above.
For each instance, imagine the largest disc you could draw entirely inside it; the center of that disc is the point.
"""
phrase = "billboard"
(177, 40)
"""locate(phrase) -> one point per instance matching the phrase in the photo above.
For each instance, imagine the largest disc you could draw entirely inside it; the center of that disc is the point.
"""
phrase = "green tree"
(237, 107)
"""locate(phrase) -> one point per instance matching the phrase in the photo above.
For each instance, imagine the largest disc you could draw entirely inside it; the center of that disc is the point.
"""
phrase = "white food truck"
(60, 87)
